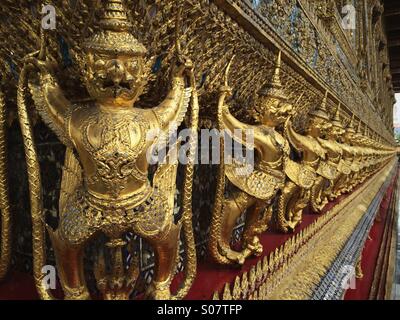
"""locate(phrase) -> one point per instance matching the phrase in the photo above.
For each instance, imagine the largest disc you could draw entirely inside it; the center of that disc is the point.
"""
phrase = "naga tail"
(187, 217)
(214, 242)
(35, 188)
(215, 231)
(5, 245)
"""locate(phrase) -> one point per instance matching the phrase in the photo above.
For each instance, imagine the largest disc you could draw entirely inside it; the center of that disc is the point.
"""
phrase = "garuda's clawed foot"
(255, 247)
(158, 291)
(119, 283)
(235, 257)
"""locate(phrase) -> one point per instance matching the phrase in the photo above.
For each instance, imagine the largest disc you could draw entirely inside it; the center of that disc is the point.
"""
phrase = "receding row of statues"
(106, 187)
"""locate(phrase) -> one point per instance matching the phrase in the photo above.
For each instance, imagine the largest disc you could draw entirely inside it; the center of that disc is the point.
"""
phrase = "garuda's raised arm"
(173, 109)
(231, 123)
(303, 143)
(50, 102)
(235, 127)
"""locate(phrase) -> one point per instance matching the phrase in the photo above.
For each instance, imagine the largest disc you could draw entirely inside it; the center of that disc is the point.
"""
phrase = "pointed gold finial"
(280, 255)
(292, 245)
(297, 241)
(351, 120)
(259, 274)
(324, 101)
(321, 110)
(255, 295)
(359, 127)
(302, 236)
(336, 119)
(306, 231)
(276, 79)
(236, 292)
(277, 257)
(261, 292)
(227, 292)
(285, 248)
(271, 262)
(274, 87)
(244, 285)
(252, 278)
(265, 267)
(350, 127)
(215, 296)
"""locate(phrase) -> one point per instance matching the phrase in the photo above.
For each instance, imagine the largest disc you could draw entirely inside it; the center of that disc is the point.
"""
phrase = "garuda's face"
(274, 111)
(115, 79)
(319, 125)
(336, 132)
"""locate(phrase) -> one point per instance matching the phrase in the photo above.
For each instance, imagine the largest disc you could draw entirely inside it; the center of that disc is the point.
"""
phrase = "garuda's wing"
(164, 179)
(71, 178)
(41, 102)
(170, 111)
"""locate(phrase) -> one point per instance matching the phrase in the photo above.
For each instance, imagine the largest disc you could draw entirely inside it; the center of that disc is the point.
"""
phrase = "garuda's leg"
(70, 267)
(334, 189)
(166, 251)
(328, 190)
(343, 184)
(349, 183)
(257, 221)
(354, 181)
(233, 208)
(318, 199)
(289, 205)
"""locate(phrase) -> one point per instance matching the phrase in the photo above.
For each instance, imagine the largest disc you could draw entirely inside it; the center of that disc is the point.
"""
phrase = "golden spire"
(350, 127)
(324, 102)
(274, 88)
(276, 79)
(321, 111)
(359, 127)
(336, 119)
(114, 36)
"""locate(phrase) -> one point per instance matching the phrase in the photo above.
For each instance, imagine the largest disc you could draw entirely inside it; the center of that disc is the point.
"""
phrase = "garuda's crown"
(321, 110)
(114, 36)
(336, 122)
(274, 88)
(350, 127)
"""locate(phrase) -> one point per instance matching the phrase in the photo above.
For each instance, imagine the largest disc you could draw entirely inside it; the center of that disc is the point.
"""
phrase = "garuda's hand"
(43, 65)
(184, 65)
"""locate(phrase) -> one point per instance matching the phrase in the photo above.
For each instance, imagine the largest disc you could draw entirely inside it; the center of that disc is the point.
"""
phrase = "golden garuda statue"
(326, 169)
(352, 139)
(307, 173)
(255, 189)
(106, 187)
(338, 153)
(343, 183)
(332, 166)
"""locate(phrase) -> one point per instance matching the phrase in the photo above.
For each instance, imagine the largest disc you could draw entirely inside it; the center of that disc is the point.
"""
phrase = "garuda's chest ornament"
(113, 143)
(105, 184)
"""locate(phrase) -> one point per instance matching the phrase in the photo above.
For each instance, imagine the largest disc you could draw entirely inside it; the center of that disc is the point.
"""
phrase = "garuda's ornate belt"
(327, 170)
(261, 183)
(301, 174)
